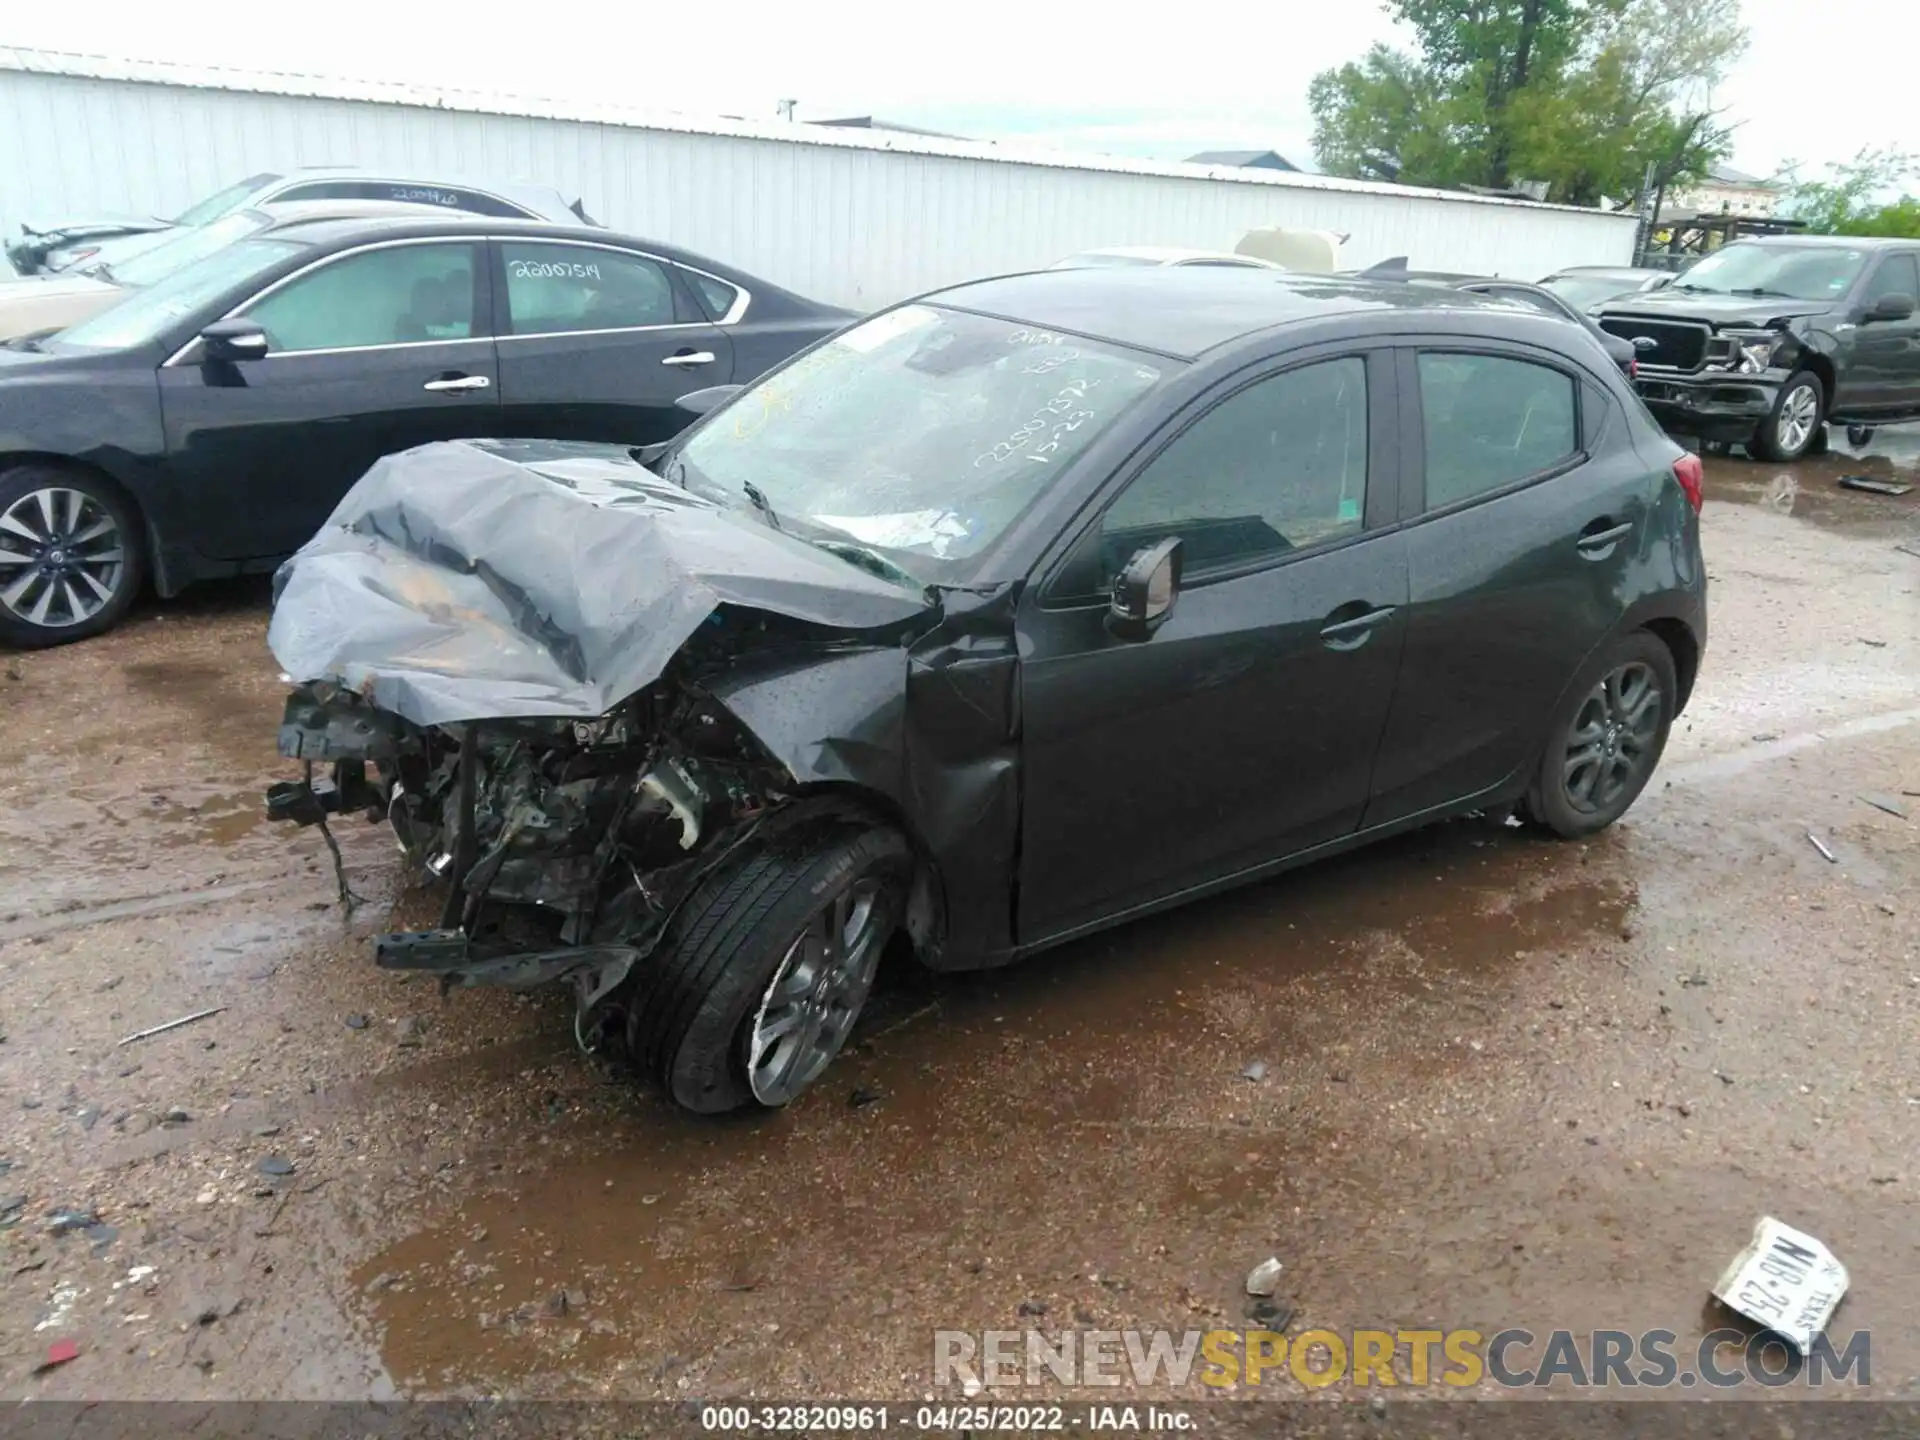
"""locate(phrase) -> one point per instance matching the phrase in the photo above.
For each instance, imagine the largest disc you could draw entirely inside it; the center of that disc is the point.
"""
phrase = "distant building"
(1246, 159)
(874, 122)
(1727, 191)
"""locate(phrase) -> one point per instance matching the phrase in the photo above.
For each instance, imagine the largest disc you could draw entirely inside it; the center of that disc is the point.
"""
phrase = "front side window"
(395, 295)
(146, 315)
(555, 289)
(921, 434)
(1276, 467)
(1897, 275)
(1491, 420)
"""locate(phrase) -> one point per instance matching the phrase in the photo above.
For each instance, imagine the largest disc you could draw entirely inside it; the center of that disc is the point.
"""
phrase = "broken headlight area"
(565, 846)
(1749, 352)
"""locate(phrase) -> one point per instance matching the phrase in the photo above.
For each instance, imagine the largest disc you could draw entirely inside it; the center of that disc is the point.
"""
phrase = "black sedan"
(207, 425)
(1003, 616)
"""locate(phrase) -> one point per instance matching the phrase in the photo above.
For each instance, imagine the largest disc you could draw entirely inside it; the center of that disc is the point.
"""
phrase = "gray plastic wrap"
(496, 579)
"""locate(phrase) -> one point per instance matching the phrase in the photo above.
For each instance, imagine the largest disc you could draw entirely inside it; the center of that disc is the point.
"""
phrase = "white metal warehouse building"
(855, 217)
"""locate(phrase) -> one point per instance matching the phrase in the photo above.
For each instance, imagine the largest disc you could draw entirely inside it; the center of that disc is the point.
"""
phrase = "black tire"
(1555, 802)
(692, 1025)
(53, 593)
(1779, 436)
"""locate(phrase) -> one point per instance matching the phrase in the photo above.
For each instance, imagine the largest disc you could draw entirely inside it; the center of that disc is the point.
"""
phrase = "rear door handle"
(1595, 543)
(690, 357)
(1346, 630)
(454, 384)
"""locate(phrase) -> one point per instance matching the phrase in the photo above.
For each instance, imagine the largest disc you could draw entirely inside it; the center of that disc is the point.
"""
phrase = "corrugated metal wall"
(841, 219)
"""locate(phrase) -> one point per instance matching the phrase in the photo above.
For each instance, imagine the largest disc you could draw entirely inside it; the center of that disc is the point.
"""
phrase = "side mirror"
(1891, 307)
(1144, 591)
(235, 340)
(700, 402)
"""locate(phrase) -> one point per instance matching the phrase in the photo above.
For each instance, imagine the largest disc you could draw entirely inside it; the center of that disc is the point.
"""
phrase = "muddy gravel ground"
(1507, 1082)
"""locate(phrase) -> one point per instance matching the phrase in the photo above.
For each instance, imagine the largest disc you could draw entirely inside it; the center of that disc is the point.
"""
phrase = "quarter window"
(1276, 467)
(552, 289)
(716, 295)
(396, 295)
(1490, 421)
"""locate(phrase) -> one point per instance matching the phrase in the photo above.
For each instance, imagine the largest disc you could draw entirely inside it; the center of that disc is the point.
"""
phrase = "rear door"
(373, 350)
(1528, 510)
(597, 342)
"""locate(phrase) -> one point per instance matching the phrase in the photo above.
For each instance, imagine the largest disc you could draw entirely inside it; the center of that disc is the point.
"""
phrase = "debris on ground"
(176, 1116)
(1785, 1281)
(1872, 485)
(274, 1165)
(60, 1222)
(58, 1353)
(1255, 1072)
(1882, 801)
(152, 1030)
(1821, 846)
(862, 1096)
(1264, 1278)
(408, 1029)
(1271, 1314)
(356, 1022)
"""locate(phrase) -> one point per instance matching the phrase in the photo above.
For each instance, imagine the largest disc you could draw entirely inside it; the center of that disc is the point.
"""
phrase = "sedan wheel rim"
(1797, 417)
(62, 558)
(1611, 743)
(814, 997)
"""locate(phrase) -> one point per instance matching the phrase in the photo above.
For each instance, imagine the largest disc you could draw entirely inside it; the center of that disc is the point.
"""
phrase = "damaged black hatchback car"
(1004, 615)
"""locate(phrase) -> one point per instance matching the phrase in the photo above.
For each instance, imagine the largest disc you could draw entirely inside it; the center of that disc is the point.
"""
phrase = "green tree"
(1581, 94)
(1851, 201)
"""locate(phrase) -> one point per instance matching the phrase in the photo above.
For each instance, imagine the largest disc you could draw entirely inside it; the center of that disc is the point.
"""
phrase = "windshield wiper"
(1761, 292)
(864, 558)
(761, 503)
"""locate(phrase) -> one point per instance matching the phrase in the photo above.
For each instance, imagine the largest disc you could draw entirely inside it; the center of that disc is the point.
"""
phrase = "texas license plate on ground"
(1784, 1280)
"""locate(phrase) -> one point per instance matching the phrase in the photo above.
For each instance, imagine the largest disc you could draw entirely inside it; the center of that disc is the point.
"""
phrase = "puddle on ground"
(1809, 489)
(680, 1226)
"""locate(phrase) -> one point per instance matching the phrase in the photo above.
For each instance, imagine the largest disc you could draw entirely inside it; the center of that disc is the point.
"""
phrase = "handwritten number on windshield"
(1060, 416)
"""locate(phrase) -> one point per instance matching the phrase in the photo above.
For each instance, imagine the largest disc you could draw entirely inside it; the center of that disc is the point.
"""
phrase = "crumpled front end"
(510, 652)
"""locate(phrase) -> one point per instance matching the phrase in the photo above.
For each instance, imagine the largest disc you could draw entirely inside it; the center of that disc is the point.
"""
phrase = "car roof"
(1181, 311)
(1833, 242)
(1607, 272)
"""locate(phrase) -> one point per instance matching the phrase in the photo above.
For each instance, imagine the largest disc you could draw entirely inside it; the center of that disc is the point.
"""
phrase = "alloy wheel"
(1613, 736)
(815, 996)
(62, 557)
(1799, 413)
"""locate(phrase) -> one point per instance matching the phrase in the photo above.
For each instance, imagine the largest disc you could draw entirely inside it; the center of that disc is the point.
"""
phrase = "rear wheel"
(768, 965)
(1607, 738)
(70, 556)
(1797, 418)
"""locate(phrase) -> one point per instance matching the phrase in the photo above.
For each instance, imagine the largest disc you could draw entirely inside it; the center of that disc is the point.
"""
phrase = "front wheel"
(768, 965)
(70, 556)
(1796, 420)
(1607, 739)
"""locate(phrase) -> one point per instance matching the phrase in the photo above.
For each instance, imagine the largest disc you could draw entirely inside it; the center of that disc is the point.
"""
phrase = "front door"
(1886, 353)
(373, 351)
(1245, 728)
(1524, 537)
(598, 342)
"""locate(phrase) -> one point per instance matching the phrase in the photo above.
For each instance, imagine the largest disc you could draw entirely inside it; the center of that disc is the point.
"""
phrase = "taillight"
(1690, 473)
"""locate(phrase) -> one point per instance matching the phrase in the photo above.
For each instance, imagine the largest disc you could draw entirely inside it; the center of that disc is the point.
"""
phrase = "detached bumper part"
(308, 802)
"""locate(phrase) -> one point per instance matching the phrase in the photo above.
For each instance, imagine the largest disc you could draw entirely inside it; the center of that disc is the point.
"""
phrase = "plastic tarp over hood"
(498, 579)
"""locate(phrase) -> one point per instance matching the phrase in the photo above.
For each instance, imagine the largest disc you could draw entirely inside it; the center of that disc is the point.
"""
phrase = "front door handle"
(455, 384)
(1348, 627)
(1594, 543)
(690, 357)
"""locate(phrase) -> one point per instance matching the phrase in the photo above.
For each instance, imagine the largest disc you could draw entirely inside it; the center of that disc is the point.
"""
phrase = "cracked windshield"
(923, 433)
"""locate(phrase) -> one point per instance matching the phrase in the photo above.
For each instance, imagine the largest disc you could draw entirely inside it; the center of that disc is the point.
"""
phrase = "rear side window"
(555, 289)
(1276, 467)
(448, 197)
(1491, 420)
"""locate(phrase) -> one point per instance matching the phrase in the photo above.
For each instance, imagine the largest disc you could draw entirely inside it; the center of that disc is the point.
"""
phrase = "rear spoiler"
(579, 208)
(1393, 269)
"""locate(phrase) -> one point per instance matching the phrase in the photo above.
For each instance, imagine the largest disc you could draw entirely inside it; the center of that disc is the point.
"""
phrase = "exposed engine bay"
(565, 845)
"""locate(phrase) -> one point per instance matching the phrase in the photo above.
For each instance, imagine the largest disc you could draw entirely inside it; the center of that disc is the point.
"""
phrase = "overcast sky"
(1147, 80)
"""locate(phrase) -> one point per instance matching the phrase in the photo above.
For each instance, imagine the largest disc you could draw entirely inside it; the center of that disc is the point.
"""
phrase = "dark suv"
(999, 617)
(1764, 341)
